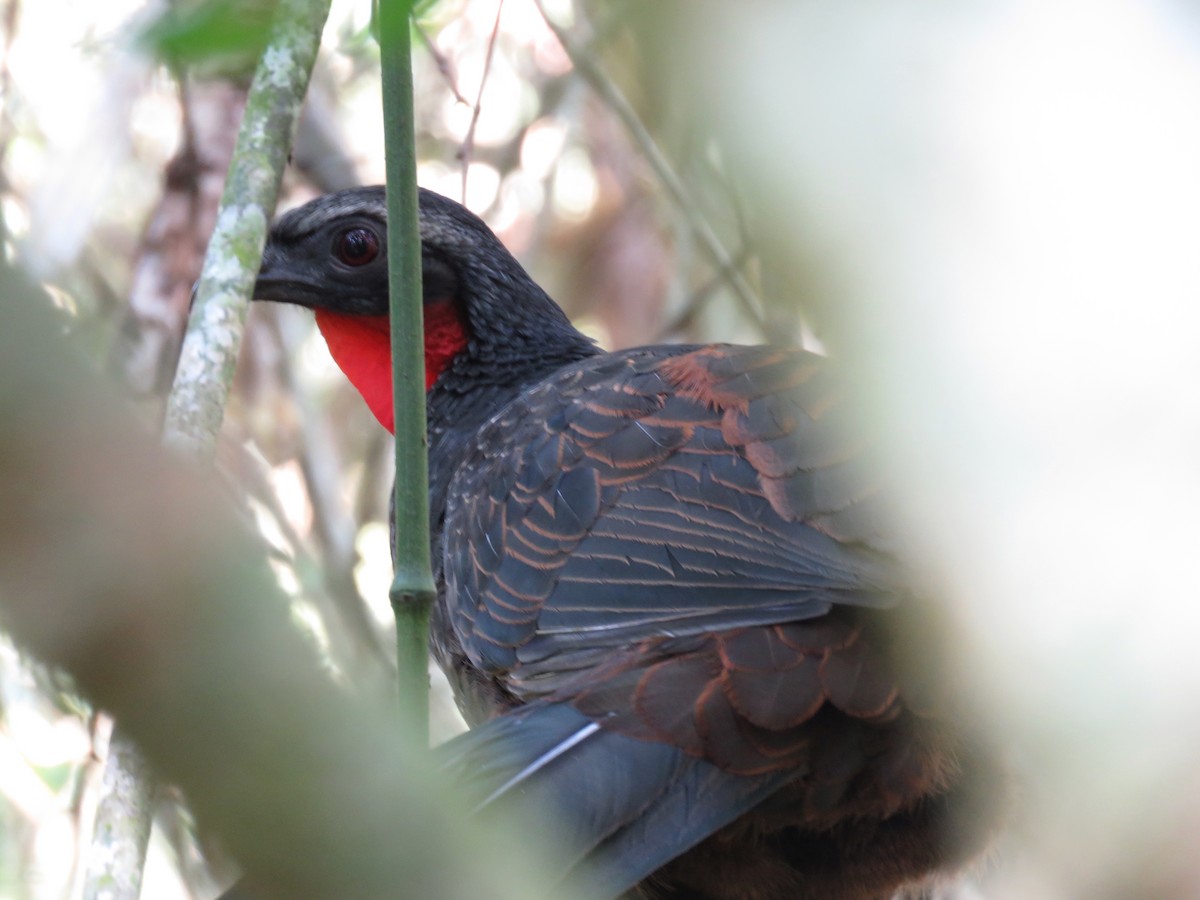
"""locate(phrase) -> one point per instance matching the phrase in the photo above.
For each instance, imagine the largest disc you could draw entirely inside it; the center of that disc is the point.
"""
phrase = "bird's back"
(684, 545)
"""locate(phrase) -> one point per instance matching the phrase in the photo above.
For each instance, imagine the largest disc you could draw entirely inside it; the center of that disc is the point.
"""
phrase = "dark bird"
(667, 598)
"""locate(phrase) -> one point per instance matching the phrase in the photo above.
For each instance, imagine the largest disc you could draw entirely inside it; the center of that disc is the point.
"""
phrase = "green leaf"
(229, 34)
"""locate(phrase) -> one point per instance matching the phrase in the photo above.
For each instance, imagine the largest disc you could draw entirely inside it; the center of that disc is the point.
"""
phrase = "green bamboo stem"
(412, 591)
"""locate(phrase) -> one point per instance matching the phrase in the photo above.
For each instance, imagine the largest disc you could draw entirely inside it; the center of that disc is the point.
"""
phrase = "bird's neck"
(361, 346)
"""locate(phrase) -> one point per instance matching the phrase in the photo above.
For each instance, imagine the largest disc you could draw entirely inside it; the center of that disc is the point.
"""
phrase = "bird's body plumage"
(667, 595)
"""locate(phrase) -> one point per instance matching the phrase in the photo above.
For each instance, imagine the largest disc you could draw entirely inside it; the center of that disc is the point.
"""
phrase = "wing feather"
(660, 492)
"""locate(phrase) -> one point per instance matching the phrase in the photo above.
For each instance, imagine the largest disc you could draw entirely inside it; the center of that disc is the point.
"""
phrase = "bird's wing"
(614, 808)
(660, 495)
(681, 554)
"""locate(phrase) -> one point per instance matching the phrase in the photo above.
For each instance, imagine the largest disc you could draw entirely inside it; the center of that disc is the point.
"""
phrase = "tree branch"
(125, 567)
(196, 404)
(206, 363)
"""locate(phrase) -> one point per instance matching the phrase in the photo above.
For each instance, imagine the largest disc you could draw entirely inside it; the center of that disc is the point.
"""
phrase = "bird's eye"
(356, 246)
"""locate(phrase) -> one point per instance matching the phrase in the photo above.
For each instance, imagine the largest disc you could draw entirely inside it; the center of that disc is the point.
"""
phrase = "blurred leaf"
(57, 776)
(227, 34)
(421, 7)
(417, 10)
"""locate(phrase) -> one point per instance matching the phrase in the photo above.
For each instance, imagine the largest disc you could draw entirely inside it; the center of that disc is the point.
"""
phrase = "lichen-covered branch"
(196, 404)
(206, 363)
(117, 853)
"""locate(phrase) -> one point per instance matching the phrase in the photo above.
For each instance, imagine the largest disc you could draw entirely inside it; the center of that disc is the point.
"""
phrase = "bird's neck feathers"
(361, 346)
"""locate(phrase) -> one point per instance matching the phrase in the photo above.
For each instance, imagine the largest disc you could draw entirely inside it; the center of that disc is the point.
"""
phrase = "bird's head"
(483, 313)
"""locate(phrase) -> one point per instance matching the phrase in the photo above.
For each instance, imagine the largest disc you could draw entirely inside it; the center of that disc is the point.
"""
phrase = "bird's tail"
(614, 808)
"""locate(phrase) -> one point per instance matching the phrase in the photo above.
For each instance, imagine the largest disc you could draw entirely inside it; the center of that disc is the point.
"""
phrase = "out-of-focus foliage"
(990, 206)
(210, 33)
(121, 564)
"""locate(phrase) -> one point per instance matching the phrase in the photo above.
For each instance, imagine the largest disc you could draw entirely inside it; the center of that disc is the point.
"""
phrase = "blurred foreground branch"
(122, 566)
(196, 404)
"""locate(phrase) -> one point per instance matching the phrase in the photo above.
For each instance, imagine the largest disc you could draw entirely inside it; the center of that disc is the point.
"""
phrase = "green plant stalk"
(412, 590)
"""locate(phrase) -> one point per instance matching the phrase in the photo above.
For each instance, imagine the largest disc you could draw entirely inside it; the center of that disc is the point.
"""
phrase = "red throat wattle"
(361, 346)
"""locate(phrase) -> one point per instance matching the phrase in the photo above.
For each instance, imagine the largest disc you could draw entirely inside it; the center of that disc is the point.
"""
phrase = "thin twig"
(442, 62)
(694, 305)
(468, 144)
(612, 95)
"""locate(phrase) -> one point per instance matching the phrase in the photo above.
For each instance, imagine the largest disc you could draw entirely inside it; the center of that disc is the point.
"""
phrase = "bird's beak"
(276, 284)
(279, 290)
(268, 285)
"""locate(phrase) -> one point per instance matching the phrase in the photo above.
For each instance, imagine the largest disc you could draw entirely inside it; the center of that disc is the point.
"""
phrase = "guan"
(669, 601)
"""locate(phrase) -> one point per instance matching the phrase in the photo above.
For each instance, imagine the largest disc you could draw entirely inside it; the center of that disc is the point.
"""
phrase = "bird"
(670, 599)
